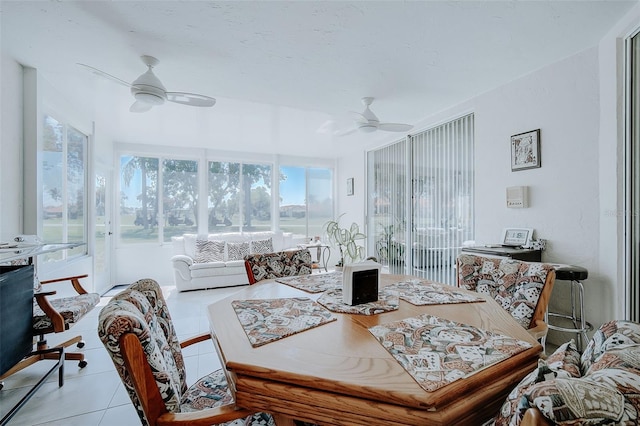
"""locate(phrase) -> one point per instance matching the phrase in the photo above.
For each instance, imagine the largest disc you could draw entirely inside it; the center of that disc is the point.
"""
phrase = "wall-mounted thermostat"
(518, 197)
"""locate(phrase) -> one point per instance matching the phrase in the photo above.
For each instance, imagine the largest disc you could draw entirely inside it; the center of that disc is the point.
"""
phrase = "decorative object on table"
(516, 237)
(314, 283)
(350, 186)
(539, 244)
(345, 239)
(267, 320)
(386, 302)
(525, 150)
(360, 282)
(422, 292)
(436, 351)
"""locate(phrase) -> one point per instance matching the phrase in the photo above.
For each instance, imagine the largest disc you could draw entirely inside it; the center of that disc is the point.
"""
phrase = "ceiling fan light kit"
(149, 91)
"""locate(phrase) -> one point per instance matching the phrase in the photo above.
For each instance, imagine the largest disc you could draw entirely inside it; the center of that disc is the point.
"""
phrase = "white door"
(102, 232)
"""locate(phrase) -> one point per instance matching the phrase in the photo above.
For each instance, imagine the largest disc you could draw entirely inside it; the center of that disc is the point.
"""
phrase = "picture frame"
(350, 186)
(525, 151)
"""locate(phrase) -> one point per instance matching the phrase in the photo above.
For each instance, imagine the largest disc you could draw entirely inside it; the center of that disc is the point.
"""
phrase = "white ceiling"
(280, 69)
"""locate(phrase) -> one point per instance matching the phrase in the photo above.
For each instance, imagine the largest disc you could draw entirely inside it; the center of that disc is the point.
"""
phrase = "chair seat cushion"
(212, 391)
(71, 309)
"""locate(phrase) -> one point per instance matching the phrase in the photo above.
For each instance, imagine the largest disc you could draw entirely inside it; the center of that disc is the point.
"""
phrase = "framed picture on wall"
(525, 150)
(350, 186)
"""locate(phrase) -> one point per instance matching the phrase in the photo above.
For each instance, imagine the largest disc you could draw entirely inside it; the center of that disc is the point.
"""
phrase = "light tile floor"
(94, 395)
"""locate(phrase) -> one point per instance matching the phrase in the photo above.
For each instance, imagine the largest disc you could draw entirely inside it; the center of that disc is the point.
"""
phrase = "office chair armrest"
(539, 331)
(75, 282)
(195, 339)
(56, 318)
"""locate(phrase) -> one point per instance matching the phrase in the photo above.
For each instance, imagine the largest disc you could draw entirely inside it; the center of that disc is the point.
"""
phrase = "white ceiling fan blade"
(345, 132)
(191, 99)
(394, 127)
(358, 118)
(105, 75)
(326, 127)
(138, 106)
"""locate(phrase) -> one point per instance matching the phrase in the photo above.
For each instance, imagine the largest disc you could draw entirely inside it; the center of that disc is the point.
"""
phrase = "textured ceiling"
(306, 60)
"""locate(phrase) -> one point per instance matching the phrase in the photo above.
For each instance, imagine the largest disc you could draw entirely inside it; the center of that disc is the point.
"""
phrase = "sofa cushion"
(190, 245)
(609, 336)
(208, 265)
(237, 251)
(262, 246)
(564, 362)
(209, 251)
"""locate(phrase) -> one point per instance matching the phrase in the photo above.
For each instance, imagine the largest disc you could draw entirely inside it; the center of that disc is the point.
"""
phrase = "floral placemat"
(332, 300)
(267, 320)
(423, 292)
(436, 351)
(314, 283)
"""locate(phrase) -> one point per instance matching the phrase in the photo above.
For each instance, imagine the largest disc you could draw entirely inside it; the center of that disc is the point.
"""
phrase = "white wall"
(563, 101)
(10, 149)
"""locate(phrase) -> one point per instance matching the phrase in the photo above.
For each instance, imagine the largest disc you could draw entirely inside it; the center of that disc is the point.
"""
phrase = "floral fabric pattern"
(599, 387)
(332, 300)
(515, 285)
(265, 266)
(71, 308)
(314, 283)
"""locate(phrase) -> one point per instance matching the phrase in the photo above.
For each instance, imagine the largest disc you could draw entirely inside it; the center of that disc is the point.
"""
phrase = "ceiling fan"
(368, 122)
(148, 91)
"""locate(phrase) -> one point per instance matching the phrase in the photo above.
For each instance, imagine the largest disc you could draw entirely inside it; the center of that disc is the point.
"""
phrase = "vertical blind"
(442, 194)
(420, 207)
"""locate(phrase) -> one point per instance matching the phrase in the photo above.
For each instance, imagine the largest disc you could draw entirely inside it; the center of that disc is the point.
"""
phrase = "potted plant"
(345, 239)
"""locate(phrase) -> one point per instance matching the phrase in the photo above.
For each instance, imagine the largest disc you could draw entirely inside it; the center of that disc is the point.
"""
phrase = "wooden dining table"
(339, 373)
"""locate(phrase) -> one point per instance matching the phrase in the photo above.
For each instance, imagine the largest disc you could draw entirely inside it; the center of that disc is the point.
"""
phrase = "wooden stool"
(574, 275)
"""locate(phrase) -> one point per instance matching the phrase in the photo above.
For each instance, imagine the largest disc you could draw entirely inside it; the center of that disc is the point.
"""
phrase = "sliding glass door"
(420, 206)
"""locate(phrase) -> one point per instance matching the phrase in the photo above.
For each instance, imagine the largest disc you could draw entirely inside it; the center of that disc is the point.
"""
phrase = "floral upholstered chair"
(264, 266)
(136, 329)
(521, 288)
(601, 386)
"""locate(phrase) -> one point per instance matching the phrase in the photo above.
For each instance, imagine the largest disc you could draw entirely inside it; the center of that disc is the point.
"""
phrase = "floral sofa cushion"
(515, 285)
(604, 389)
(263, 266)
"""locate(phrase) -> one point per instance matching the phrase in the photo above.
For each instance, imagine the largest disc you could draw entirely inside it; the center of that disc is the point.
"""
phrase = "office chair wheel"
(80, 344)
(82, 364)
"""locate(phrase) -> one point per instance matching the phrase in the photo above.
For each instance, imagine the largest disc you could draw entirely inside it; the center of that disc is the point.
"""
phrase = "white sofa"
(193, 275)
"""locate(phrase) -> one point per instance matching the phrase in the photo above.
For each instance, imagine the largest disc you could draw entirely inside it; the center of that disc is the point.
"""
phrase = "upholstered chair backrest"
(263, 266)
(515, 285)
(141, 310)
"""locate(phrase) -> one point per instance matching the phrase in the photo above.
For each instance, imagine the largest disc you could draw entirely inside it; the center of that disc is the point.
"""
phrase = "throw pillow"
(209, 251)
(237, 251)
(262, 246)
(563, 363)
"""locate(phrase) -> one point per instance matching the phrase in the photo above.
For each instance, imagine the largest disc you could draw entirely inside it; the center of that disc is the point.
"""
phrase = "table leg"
(282, 420)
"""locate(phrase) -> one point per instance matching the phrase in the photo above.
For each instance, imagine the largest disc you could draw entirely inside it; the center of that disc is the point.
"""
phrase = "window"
(180, 197)
(306, 200)
(63, 160)
(138, 199)
(239, 197)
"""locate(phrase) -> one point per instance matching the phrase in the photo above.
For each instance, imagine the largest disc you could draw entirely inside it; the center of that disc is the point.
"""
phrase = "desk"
(339, 374)
(527, 255)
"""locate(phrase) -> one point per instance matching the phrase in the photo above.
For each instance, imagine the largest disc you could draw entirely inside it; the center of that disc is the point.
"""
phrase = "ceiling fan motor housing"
(148, 94)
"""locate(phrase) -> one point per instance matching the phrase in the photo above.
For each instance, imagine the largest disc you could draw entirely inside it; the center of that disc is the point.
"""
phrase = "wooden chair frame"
(538, 327)
(147, 390)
